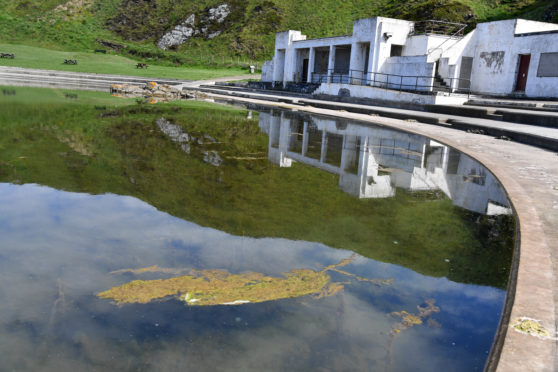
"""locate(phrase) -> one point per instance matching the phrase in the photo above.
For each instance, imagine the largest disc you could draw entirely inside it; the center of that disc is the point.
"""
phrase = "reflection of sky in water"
(51, 237)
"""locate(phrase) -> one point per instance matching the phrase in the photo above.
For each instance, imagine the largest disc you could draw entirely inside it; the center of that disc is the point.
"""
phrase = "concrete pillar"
(305, 139)
(363, 156)
(274, 123)
(324, 147)
(349, 151)
(331, 62)
(279, 65)
(445, 157)
(284, 132)
(311, 58)
(355, 64)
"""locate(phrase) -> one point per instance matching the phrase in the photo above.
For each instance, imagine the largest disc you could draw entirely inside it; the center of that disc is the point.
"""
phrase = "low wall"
(362, 91)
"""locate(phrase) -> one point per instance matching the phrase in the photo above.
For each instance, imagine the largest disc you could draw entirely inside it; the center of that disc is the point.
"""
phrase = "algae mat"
(218, 287)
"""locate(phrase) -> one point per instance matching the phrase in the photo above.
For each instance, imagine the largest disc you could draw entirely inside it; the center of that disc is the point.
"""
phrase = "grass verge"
(48, 59)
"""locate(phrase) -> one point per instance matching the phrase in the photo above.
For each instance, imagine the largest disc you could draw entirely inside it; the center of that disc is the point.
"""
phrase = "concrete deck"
(530, 177)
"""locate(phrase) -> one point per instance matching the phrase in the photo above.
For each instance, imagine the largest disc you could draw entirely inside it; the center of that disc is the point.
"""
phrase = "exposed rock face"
(219, 14)
(187, 29)
(179, 34)
(73, 7)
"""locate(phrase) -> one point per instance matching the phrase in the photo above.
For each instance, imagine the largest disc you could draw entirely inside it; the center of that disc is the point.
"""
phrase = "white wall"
(535, 45)
(450, 62)
(284, 60)
(409, 68)
(380, 48)
(381, 94)
(494, 66)
(267, 71)
(496, 59)
(524, 26)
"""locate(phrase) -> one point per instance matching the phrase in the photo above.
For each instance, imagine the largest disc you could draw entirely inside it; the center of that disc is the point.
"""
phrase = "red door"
(524, 60)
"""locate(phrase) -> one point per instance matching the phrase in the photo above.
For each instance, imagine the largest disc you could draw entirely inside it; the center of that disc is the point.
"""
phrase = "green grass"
(42, 58)
(96, 147)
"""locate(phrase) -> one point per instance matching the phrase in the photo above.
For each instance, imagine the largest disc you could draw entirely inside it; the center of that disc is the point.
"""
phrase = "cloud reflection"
(51, 237)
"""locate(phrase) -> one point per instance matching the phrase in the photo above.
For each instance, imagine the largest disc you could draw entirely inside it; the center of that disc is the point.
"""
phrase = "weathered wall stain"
(493, 60)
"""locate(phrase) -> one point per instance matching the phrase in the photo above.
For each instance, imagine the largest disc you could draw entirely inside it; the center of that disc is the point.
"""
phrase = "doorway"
(305, 70)
(465, 73)
(524, 60)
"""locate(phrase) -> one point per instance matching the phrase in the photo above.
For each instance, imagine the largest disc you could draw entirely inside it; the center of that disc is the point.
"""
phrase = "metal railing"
(433, 27)
(416, 83)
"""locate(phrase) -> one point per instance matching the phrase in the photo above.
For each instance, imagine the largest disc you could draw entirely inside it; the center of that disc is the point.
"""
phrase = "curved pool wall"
(532, 279)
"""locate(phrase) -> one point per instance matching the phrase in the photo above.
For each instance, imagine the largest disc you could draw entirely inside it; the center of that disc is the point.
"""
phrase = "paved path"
(531, 134)
(18, 76)
(530, 176)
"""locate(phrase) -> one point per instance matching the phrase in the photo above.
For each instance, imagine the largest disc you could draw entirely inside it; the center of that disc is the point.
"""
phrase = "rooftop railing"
(433, 27)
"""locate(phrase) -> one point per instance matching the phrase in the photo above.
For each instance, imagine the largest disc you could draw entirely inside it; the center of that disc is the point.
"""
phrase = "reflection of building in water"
(372, 161)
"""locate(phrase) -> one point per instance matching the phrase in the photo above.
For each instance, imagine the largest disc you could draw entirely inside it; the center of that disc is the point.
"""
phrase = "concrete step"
(477, 120)
(494, 117)
(539, 119)
(71, 80)
(533, 105)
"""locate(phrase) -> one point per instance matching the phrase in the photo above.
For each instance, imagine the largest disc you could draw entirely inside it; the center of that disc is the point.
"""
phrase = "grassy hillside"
(133, 27)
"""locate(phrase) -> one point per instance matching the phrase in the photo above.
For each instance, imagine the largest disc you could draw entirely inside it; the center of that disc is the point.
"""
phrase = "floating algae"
(408, 320)
(218, 287)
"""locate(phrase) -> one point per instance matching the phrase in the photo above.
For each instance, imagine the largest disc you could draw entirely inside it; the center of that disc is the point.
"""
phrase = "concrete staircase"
(305, 88)
(439, 84)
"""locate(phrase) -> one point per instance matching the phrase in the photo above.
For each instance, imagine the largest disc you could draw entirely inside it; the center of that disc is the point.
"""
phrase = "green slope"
(132, 27)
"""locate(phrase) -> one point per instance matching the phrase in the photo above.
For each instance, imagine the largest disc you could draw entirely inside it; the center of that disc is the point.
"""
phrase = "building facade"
(511, 57)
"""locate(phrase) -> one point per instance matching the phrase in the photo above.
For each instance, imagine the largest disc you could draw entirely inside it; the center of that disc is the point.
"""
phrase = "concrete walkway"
(18, 76)
(530, 177)
(538, 135)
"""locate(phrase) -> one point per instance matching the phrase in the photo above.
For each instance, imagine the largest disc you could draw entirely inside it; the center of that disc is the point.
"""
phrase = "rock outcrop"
(206, 27)
(179, 34)
(152, 92)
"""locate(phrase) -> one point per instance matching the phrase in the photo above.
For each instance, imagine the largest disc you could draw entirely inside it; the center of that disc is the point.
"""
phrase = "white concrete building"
(372, 162)
(512, 57)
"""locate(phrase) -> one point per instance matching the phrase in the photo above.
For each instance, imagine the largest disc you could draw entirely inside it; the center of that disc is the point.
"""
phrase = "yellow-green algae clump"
(408, 320)
(531, 327)
(218, 287)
